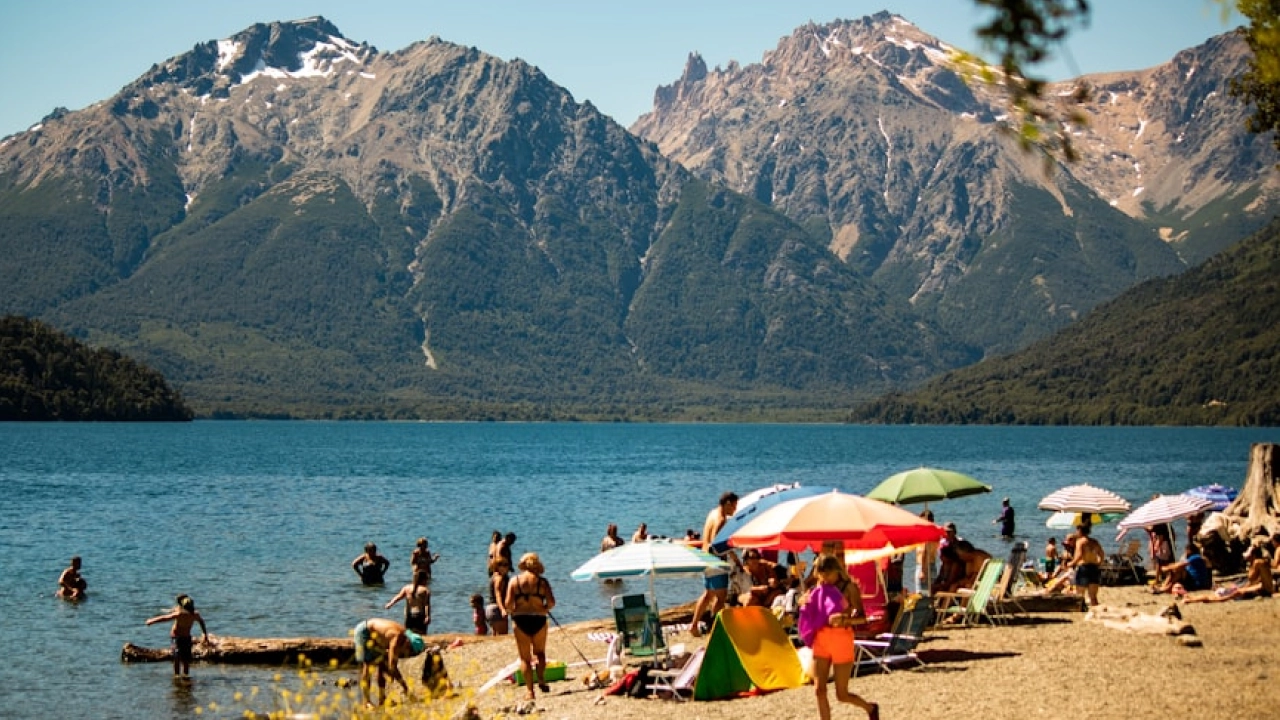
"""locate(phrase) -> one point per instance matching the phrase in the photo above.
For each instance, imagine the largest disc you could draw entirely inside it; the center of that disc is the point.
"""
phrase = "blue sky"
(73, 53)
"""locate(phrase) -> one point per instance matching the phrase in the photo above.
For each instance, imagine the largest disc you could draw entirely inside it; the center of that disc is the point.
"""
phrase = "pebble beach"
(1046, 665)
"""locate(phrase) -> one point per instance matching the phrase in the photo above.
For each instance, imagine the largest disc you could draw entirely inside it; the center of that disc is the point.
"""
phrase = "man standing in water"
(417, 606)
(1005, 520)
(715, 582)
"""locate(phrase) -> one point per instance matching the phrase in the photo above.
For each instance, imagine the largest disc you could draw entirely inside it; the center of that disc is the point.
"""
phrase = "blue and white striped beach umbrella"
(1220, 495)
(653, 557)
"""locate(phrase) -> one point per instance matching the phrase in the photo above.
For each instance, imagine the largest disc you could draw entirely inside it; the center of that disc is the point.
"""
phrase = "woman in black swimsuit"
(529, 601)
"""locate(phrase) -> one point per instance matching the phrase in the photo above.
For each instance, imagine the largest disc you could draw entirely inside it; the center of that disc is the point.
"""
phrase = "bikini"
(529, 623)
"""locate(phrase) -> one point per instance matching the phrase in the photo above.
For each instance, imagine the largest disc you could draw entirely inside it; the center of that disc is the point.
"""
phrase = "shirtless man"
(1088, 562)
(417, 606)
(381, 644)
(715, 583)
(71, 585)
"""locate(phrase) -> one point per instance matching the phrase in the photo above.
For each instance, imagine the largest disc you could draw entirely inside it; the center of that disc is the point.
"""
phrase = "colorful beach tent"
(747, 650)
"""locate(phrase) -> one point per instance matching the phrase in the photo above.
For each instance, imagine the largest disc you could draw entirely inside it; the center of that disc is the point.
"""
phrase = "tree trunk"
(258, 651)
(1255, 506)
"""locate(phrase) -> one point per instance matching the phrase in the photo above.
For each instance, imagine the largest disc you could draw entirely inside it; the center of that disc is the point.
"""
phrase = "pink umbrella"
(856, 521)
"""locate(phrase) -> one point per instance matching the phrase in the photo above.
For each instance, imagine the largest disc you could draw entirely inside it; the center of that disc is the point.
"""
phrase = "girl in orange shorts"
(826, 626)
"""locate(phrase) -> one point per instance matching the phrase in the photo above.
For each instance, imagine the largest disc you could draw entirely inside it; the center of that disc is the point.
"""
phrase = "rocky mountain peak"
(300, 48)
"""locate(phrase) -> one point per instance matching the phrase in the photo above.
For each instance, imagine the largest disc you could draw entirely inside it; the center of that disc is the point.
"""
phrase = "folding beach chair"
(637, 623)
(971, 605)
(678, 684)
(899, 646)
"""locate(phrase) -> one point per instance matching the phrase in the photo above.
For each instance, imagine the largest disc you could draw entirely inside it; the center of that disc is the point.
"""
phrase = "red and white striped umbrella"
(1084, 499)
(1164, 509)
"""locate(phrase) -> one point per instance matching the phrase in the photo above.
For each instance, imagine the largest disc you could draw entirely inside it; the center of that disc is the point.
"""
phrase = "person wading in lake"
(183, 616)
(417, 606)
(715, 582)
(370, 566)
(71, 585)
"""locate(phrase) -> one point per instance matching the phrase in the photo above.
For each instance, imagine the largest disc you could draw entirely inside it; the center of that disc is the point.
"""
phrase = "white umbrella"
(1164, 509)
(656, 557)
(1084, 498)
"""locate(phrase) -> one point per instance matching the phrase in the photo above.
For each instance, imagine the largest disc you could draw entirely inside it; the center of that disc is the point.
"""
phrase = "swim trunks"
(181, 645)
(1088, 574)
(415, 619)
(367, 651)
(529, 624)
(716, 582)
(835, 643)
(493, 613)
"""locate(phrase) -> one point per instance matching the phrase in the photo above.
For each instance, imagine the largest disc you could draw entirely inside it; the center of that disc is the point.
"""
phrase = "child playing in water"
(477, 614)
(183, 617)
(421, 560)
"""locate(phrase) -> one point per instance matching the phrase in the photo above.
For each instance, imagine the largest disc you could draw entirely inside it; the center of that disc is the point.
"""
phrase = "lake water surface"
(259, 521)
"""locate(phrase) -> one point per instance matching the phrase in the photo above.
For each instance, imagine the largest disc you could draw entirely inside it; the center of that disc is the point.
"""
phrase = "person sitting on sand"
(183, 616)
(380, 645)
(71, 585)
(763, 579)
(950, 571)
(611, 539)
(417, 606)
(1192, 573)
(973, 559)
(369, 566)
(1258, 583)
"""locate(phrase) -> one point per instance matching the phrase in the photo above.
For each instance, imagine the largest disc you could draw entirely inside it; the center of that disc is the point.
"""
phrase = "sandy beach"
(1050, 665)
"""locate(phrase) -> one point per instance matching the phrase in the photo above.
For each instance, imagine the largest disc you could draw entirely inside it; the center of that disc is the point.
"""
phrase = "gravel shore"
(1051, 665)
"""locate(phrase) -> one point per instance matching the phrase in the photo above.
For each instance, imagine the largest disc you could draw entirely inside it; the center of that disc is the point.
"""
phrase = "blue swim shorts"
(367, 651)
(719, 581)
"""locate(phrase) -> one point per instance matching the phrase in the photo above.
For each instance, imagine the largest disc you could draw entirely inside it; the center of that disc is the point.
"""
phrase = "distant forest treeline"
(47, 375)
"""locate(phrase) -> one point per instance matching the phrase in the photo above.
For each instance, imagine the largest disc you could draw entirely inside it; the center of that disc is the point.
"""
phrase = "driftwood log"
(251, 651)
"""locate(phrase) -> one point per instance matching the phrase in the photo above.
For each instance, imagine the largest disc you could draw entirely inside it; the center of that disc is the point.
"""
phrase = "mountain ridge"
(863, 132)
(432, 232)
